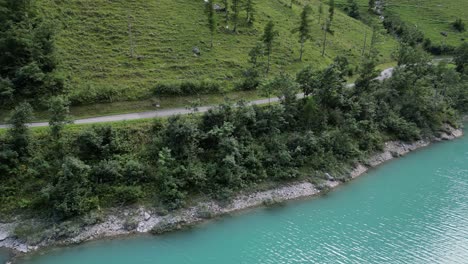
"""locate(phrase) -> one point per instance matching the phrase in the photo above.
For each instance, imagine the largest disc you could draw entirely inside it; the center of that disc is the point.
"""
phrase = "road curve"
(385, 74)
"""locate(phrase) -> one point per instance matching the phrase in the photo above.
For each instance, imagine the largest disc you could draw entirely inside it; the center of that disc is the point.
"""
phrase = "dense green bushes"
(186, 88)
(231, 147)
(27, 61)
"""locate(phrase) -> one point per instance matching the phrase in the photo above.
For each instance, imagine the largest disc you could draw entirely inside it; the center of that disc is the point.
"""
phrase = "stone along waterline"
(412, 210)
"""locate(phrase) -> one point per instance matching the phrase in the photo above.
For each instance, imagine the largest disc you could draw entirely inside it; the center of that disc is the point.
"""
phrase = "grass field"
(93, 44)
(433, 17)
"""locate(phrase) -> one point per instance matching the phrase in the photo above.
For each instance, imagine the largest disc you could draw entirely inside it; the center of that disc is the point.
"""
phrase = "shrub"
(458, 25)
(186, 88)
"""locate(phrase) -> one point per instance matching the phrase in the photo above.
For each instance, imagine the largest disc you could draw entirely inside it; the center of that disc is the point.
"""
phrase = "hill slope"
(433, 17)
(94, 44)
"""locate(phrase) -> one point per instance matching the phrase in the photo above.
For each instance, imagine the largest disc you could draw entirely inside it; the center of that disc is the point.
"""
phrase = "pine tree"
(320, 11)
(235, 13)
(371, 5)
(331, 13)
(268, 38)
(304, 28)
(250, 10)
(226, 12)
(211, 19)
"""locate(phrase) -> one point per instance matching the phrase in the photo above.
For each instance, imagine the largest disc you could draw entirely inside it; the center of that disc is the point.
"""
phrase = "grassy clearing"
(433, 17)
(94, 44)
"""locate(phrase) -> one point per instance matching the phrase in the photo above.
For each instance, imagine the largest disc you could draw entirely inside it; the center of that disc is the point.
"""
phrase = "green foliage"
(352, 9)
(210, 13)
(19, 136)
(26, 54)
(187, 88)
(268, 38)
(304, 28)
(71, 195)
(459, 25)
(232, 147)
(461, 58)
(59, 109)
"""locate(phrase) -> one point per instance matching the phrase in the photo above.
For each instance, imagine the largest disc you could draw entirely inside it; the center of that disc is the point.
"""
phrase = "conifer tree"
(211, 19)
(268, 38)
(304, 28)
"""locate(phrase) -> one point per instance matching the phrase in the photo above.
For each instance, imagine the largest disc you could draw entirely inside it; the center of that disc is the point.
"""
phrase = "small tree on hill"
(304, 28)
(19, 131)
(371, 5)
(326, 27)
(211, 19)
(268, 38)
(59, 109)
(331, 13)
(458, 25)
(235, 13)
(226, 12)
(352, 9)
(250, 10)
(320, 11)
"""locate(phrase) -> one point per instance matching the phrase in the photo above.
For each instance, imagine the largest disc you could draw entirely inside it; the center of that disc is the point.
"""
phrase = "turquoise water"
(3, 256)
(412, 210)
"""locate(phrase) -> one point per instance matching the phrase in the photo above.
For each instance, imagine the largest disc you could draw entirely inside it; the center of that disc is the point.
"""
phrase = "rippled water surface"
(413, 210)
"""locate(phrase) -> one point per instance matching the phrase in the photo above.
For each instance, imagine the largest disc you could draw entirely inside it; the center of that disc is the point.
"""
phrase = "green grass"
(94, 46)
(433, 17)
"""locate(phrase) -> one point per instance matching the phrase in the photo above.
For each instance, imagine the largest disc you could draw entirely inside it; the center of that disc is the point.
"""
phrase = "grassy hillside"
(94, 44)
(433, 17)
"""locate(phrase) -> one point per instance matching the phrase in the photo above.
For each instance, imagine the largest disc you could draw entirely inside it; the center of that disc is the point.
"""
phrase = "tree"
(210, 13)
(268, 38)
(367, 72)
(459, 25)
(283, 86)
(352, 9)
(19, 131)
(320, 11)
(325, 28)
(255, 54)
(371, 5)
(331, 13)
(59, 109)
(235, 13)
(308, 80)
(27, 61)
(226, 12)
(71, 194)
(461, 58)
(304, 28)
(250, 10)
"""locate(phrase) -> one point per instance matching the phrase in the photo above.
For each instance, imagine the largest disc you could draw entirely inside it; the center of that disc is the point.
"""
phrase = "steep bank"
(142, 219)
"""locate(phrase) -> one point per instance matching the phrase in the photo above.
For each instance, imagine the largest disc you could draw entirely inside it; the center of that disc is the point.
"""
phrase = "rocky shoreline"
(142, 220)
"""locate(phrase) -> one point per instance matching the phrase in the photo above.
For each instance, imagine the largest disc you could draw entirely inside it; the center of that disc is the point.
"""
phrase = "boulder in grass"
(196, 51)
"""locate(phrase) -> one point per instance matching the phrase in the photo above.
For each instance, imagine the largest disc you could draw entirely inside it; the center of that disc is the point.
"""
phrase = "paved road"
(387, 73)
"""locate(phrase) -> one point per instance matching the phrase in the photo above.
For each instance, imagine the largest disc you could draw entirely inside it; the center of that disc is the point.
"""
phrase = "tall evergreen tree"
(268, 38)
(371, 5)
(320, 11)
(331, 13)
(304, 28)
(250, 10)
(235, 13)
(325, 28)
(226, 11)
(19, 131)
(211, 19)
(27, 60)
(59, 109)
